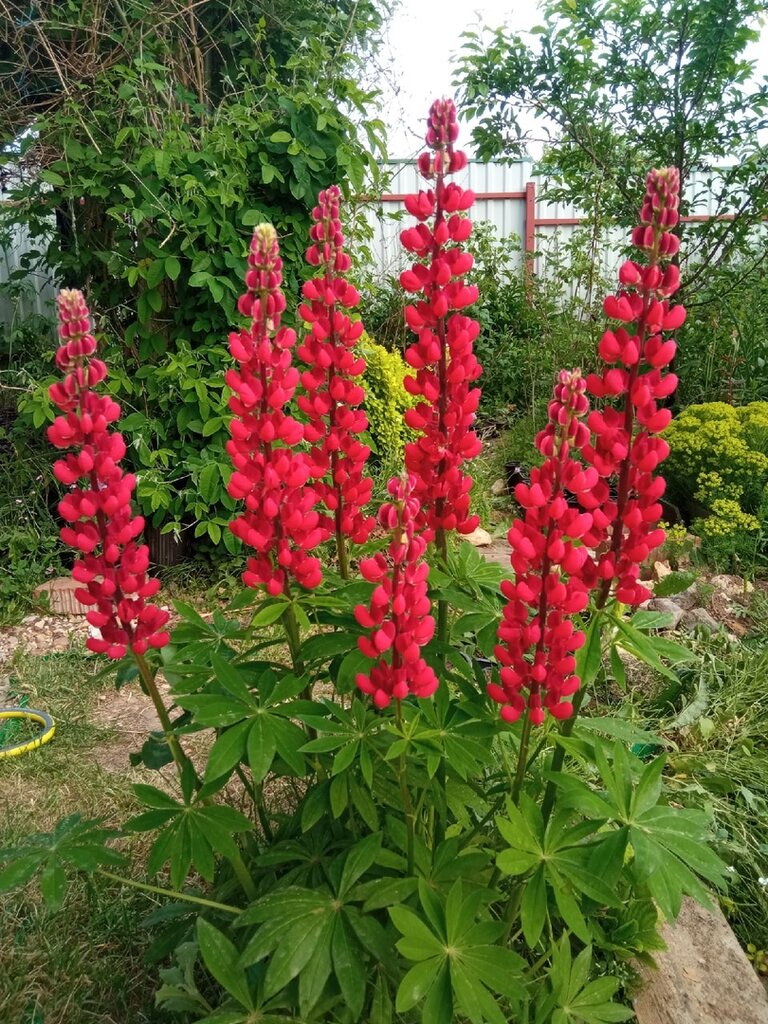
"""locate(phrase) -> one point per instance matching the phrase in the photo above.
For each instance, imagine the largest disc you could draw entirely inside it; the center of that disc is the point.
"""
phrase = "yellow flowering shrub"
(385, 398)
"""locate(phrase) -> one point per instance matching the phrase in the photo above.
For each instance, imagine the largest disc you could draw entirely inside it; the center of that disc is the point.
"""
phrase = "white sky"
(423, 41)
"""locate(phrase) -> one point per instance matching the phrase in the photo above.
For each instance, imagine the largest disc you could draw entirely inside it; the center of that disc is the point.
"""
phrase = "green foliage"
(385, 399)
(375, 886)
(155, 173)
(719, 458)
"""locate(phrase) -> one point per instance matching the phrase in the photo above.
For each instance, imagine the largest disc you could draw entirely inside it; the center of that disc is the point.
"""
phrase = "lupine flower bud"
(100, 525)
(537, 636)
(399, 612)
(626, 445)
(443, 356)
(280, 521)
(332, 391)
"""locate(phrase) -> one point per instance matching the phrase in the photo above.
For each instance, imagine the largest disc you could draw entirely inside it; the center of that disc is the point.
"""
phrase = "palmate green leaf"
(358, 861)
(438, 1006)
(418, 942)
(648, 790)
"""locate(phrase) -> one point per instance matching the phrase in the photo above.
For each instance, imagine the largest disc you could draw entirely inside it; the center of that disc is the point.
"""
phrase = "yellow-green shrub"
(719, 457)
(385, 399)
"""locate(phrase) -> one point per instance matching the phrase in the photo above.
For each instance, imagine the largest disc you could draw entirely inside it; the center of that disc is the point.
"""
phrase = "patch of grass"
(83, 965)
(720, 763)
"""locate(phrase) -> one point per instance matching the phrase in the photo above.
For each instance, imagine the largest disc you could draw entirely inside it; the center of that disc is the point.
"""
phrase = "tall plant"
(430, 863)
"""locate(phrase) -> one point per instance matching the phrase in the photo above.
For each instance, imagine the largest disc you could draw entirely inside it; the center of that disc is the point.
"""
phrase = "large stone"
(699, 618)
(667, 607)
(479, 537)
(687, 599)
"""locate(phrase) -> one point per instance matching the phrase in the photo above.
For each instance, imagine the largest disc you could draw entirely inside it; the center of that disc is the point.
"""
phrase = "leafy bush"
(151, 169)
(718, 472)
(385, 399)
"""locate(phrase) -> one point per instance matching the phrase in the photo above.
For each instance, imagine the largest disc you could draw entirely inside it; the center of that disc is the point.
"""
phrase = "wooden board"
(703, 977)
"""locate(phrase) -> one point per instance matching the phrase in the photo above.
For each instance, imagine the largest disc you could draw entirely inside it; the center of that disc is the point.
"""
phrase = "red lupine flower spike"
(100, 524)
(333, 393)
(399, 612)
(280, 521)
(442, 356)
(626, 446)
(537, 636)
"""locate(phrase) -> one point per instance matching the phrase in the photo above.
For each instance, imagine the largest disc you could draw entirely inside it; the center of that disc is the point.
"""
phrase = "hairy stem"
(173, 893)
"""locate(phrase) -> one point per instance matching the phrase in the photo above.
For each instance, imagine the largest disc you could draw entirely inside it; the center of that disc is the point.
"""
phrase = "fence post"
(530, 232)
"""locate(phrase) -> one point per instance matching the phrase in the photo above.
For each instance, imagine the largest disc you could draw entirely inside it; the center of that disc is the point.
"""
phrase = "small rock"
(732, 586)
(669, 608)
(479, 537)
(699, 618)
(661, 569)
(687, 599)
(498, 487)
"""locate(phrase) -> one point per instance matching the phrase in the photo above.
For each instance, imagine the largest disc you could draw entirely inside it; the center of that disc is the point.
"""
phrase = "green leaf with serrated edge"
(227, 751)
(221, 958)
(260, 747)
(417, 983)
(418, 941)
(347, 958)
(533, 909)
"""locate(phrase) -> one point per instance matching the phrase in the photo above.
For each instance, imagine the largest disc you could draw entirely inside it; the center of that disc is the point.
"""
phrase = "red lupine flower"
(626, 526)
(442, 357)
(333, 392)
(537, 635)
(280, 521)
(399, 612)
(101, 525)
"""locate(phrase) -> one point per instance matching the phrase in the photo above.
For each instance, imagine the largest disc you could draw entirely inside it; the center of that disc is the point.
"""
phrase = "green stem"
(405, 795)
(558, 757)
(158, 891)
(182, 761)
(522, 759)
(179, 757)
(441, 543)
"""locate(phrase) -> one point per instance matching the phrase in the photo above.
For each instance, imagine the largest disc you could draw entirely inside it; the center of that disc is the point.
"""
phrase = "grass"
(84, 965)
(718, 722)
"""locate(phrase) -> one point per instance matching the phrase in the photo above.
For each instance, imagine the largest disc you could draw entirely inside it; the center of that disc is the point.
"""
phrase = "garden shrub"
(385, 399)
(719, 458)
